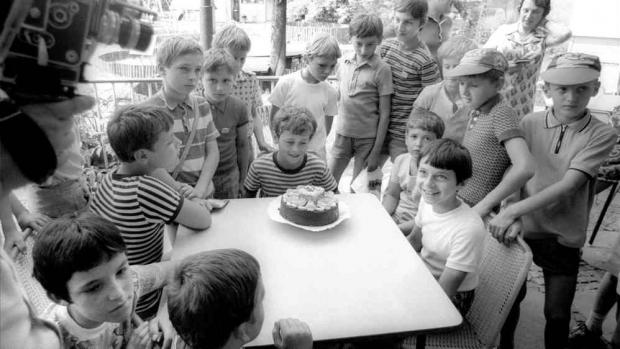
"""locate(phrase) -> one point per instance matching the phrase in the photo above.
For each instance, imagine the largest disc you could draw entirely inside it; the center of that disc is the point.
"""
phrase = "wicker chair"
(503, 270)
(35, 292)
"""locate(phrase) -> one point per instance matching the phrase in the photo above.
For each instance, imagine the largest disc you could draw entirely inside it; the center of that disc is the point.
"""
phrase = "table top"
(359, 279)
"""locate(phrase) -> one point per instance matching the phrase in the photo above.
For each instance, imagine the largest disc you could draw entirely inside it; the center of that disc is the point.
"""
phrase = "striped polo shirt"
(273, 180)
(411, 72)
(139, 206)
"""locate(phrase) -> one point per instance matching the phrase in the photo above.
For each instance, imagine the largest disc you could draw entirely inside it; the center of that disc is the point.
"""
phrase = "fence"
(305, 33)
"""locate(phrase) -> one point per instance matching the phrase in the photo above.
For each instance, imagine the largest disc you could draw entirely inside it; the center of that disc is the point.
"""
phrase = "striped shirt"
(183, 115)
(247, 89)
(273, 180)
(411, 72)
(139, 206)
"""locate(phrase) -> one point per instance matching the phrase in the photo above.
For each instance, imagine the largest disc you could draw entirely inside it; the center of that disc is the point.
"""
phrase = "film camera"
(45, 44)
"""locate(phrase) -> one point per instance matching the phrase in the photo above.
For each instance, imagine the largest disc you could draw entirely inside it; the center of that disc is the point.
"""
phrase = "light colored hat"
(478, 61)
(572, 68)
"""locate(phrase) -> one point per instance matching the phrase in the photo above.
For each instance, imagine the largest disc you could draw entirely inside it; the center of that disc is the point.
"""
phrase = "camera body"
(46, 44)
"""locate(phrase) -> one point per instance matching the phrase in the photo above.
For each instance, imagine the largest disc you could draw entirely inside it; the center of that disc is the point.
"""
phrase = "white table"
(359, 279)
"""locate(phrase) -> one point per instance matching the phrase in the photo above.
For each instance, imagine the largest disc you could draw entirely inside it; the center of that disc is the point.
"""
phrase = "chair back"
(503, 270)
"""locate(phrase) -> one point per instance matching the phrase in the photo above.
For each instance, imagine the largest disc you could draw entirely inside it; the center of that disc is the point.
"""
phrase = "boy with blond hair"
(179, 61)
(308, 88)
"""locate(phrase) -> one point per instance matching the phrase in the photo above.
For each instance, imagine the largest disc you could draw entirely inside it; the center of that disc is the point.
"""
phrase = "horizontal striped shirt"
(411, 72)
(271, 179)
(139, 206)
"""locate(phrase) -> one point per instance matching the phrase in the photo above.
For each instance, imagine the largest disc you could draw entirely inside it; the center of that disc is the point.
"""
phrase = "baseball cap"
(478, 61)
(572, 68)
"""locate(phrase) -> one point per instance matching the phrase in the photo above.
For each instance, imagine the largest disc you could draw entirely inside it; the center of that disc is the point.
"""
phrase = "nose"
(571, 95)
(116, 291)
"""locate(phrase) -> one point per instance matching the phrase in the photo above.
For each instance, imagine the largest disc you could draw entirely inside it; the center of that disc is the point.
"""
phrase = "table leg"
(610, 197)
(420, 341)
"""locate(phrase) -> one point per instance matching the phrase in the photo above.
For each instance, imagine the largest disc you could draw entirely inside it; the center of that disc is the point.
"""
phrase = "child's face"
(407, 27)
(437, 186)
(183, 74)
(365, 47)
(320, 67)
(240, 56)
(165, 152)
(218, 84)
(475, 91)
(570, 101)
(447, 64)
(102, 294)
(417, 138)
(441, 6)
(292, 148)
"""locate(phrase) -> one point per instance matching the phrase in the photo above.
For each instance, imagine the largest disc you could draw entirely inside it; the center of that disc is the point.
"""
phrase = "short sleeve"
(429, 73)
(418, 216)
(278, 95)
(505, 123)
(425, 99)
(332, 100)
(384, 80)
(242, 113)
(466, 247)
(396, 168)
(252, 180)
(205, 112)
(147, 278)
(158, 201)
(590, 158)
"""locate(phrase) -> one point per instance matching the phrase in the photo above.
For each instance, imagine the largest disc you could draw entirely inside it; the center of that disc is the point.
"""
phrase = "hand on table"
(292, 334)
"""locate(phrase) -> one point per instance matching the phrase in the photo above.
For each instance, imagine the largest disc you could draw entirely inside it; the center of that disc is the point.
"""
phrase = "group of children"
(459, 153)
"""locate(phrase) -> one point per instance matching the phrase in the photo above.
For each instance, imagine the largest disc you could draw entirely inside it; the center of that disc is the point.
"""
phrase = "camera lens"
(134, 34)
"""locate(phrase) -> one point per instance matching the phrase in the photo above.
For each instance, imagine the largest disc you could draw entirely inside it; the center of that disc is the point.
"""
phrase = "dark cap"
(478, 61)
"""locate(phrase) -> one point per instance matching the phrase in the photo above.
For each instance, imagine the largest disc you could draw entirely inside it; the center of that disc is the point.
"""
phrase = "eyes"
(98, 285)
(188, 69)
(439, 177)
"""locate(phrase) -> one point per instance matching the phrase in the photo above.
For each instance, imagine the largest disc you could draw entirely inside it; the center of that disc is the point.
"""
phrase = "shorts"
(554, 257)
(347, 147)
(612, 263)
(226, 184)
(393, 146)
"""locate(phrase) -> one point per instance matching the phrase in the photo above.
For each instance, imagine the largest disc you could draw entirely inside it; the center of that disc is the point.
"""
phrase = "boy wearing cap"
(501, 160)
(568, 145)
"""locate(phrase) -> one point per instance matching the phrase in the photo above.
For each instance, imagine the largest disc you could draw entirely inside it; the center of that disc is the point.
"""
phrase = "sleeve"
(384, 80)
(592, 156)
(252, 180)
(158, 201)
(147, 278)
(466, 246)
(332, 101)
(383, 49)
(505, 123)
(429, 74)
(326, 179)
(205, 112)
(425, 99)
(418, 216)
(278, 95)
(242, 113)
(398, 163)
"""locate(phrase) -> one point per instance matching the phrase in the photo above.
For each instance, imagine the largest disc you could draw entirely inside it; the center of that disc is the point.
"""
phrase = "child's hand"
(161, 331)
(140, 337)
(504, 228)
(266, 148)
(185, 189)
(292, 334)
(372, 162)
(14, 243)
(34, 221)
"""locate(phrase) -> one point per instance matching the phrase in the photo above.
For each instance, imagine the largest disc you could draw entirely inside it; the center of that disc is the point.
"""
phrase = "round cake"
(309, 205)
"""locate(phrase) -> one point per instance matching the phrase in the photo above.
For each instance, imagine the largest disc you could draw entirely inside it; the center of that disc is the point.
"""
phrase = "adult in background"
(523, 44)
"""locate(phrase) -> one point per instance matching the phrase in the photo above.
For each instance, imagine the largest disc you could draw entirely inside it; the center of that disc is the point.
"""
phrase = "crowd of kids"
(431, 103)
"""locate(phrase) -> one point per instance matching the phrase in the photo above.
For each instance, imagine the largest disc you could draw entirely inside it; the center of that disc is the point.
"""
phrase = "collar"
(289, 171)
(171, 105)
(220, 106)
(440, 21)
(513, 33)
(551, 121)
(372, 62)
(486, 107)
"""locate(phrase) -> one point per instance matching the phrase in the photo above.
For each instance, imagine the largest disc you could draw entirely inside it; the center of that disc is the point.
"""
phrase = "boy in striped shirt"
(291, 165)
(138, 203)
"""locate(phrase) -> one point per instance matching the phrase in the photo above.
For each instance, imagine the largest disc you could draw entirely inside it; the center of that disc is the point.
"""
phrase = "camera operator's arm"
(13, 238)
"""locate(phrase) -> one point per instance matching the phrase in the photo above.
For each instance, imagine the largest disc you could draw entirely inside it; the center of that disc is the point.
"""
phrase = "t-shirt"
(454, 239)
(247, 89)
(360, 87)
(109, 334)
(320, 98)
(409, 195)
(435, 99)
(267, 175)
(229, 115)
(411, 72)
(489, 127)
(183, 115)
(139, 206)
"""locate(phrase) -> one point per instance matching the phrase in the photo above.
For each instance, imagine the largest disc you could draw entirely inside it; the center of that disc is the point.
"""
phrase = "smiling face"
(570, 101)
(319, 68)
(407, 27)
(218, 84)
(101, 294)
(530, 15)
(365, 47)
(165, 152)
(183, 74)
(292, 148)
(437, 186)
(475, 91)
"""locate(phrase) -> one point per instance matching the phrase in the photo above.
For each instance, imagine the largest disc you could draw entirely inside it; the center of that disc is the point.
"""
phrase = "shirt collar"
(171, 105)
(219, 106)
(513, 32)
(489, 104)
(372, 62)
(551, 121)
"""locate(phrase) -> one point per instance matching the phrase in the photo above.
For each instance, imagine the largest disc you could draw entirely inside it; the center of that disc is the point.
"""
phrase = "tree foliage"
(337, 11)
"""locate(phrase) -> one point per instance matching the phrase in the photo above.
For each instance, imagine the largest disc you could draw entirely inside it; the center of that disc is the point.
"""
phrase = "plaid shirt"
(247, 89)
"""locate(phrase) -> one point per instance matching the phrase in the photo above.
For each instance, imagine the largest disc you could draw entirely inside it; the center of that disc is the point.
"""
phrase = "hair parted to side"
(426, 120)
(136, 127)
(296, 120)
(323, 45)
(217, 58)
(232, 37)
(366, 25)
(455, 47)
(492, 75)
(211, 294)
(174, 47)
(447, 154)
(545, 4)
(418, 9)
(70, 244)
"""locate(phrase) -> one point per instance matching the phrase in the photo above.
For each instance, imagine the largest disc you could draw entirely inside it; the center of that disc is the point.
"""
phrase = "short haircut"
(492, 75)
(455, 47)
(136, 127)
(174, 47)
(366, 25)
(545, 4)
(426, 120)
(211, 294)
(217, 58)
(296, 120)
(447, 154)
(323, 45)
(71, 244)
(232, 37)
(418, 9)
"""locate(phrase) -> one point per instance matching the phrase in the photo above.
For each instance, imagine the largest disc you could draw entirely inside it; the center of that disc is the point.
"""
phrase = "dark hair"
(366, 25)
(211, 294)
(70, 244)
(427, 121)
(418, 9)
(136, 127)
(447, 154)
(545, 4)
(297, 120)
(492, 75)
(217, 58)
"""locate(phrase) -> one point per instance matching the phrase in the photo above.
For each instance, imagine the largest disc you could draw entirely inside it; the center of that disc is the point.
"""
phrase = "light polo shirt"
(583, 146)
(455, 116)
(361, 86)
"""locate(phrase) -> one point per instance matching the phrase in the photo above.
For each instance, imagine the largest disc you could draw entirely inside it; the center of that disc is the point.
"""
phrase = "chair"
(503, 270)
(34, 291)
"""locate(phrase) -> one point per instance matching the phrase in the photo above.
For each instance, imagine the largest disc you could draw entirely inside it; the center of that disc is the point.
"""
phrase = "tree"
(278, 37)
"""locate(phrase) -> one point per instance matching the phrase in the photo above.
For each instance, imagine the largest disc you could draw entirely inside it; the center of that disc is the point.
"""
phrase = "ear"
(57, 300)
(241, 333)
(596, 87)
(546, 91)
(141, 155)
(500, 82)
(161, 69)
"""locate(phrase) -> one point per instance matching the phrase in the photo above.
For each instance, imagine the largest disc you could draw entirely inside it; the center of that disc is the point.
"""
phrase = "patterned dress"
(520, 86)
